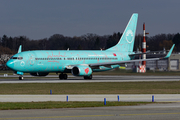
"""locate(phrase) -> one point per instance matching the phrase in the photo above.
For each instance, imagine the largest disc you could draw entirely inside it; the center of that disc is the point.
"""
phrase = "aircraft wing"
(108, 64)
(121, 62)
(128, 61)
(96, 65)
(139, 53)
(147, 52)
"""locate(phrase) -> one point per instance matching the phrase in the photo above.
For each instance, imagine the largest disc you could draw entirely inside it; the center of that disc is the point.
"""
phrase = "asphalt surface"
(163, 111)
(168, 111)
(96, 78)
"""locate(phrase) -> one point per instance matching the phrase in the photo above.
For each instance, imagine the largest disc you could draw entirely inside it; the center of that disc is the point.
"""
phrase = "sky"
(38, 19)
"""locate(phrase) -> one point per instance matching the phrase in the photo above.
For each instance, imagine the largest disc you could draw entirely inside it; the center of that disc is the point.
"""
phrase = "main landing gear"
(88, 77)
(63, 76)
(21, 77)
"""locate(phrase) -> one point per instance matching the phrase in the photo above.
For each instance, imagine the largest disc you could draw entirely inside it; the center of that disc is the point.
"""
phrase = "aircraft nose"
(10, 64)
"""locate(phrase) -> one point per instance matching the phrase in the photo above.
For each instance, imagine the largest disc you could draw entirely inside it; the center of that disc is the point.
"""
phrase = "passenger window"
(14, 58)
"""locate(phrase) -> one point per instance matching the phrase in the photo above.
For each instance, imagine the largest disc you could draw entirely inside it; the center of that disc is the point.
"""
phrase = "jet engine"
(81, 70)
(39, 74)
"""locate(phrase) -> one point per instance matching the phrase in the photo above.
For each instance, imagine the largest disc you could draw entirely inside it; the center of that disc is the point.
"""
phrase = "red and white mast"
(144, 46)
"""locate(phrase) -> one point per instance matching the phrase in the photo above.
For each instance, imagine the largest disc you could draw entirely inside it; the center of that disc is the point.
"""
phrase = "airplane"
(79, 62)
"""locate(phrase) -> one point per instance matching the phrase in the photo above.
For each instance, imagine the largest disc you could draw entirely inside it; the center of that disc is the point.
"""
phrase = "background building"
(170, 64)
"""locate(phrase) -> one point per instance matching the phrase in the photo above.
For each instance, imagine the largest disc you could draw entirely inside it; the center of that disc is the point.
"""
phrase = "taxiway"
(163, 111)
(168, 111)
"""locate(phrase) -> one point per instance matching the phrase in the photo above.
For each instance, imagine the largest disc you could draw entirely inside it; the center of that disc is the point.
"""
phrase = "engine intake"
(81, 70)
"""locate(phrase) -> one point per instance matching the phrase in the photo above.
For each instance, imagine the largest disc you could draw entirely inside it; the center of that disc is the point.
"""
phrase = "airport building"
(174, 62)
(170, 64)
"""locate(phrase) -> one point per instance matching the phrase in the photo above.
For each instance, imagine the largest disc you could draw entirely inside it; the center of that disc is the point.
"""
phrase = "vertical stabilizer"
(126, 42)
(19, 50)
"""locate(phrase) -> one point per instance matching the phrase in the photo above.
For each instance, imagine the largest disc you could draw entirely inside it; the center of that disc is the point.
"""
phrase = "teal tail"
(126, 43)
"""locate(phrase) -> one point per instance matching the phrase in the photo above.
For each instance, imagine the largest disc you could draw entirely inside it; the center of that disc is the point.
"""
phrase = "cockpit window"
(14, 57)
(19, 58)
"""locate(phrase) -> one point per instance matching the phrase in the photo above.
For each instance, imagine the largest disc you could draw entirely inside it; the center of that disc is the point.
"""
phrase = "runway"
(96, 78)
(90, 97)
(168, 111)
(163, 111)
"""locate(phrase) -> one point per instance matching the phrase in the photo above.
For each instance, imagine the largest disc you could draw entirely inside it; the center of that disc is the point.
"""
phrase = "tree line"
(10, 45)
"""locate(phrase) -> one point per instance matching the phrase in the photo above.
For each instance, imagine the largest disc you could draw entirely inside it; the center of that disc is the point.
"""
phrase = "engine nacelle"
(81, 70)
(39, 74)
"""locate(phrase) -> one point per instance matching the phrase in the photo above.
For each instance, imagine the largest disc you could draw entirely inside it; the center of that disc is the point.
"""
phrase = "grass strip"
(164, 87)
(52, 105)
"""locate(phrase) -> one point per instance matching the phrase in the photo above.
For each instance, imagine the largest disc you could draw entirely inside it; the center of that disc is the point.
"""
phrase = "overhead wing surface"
(129, 61)
(94, 65)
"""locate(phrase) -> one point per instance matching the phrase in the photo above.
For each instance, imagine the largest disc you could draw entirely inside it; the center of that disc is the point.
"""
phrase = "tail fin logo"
(129, 36)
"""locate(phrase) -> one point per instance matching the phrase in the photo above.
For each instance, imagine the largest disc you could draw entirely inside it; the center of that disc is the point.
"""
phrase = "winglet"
(170, 51)
(19, 50)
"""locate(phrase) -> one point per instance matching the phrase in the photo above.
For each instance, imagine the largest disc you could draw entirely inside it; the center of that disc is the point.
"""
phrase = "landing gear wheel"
(21, 78)
(63, 76)
(88, 77)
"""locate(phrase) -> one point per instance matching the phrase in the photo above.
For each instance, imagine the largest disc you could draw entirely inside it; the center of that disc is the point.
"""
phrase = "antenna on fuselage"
(20, 49)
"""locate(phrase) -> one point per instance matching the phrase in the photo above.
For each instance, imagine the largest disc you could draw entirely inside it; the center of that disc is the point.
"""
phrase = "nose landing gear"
(21, 77)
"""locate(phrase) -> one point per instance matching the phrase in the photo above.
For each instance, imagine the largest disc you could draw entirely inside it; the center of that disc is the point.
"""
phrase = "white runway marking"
(92, 97)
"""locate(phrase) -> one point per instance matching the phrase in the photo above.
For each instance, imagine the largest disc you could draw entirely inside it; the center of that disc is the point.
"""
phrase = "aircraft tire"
(61, 76)
(20, 77)
(65, 76)
(85, 77)
(88, 77)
